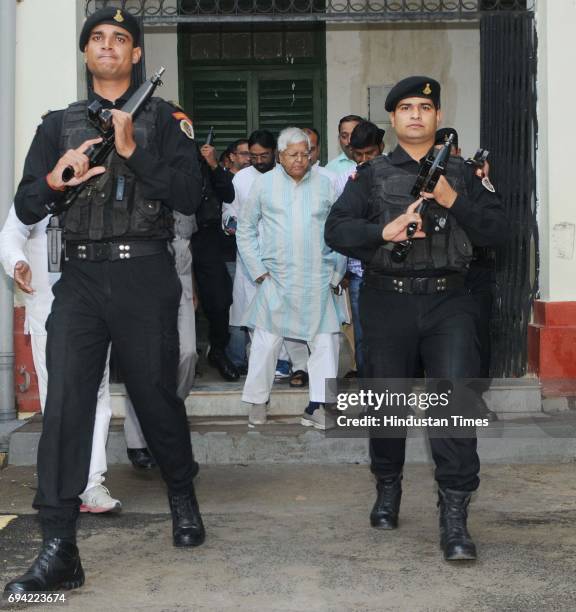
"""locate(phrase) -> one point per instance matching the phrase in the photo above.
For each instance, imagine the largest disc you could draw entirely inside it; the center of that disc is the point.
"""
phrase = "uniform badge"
(118, 17)
(427, 90)
(179, 116)
(187, 128)
(488, 185)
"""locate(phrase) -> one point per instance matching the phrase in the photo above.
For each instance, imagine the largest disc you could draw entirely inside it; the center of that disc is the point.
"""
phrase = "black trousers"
(133, 304)
(439, 333)
(213, 283)
(480, 282)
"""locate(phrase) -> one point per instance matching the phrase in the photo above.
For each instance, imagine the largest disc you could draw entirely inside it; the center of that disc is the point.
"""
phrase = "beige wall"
(161, 49)
(358, 56)
(556, 22)
(46, 74)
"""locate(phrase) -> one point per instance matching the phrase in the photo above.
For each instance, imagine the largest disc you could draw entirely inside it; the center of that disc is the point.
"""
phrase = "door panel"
(218, 99)
(236, 103)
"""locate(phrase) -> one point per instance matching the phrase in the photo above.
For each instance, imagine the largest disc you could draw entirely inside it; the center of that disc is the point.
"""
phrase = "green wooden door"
(238, 102)
(219, 99)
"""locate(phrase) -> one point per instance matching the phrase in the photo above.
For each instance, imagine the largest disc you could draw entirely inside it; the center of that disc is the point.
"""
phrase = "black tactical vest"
(112, 206)
(446, 246)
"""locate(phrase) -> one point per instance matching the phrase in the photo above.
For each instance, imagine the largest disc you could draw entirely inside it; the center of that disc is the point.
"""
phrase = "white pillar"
(46, 66)
(7, 103)
(556, 24)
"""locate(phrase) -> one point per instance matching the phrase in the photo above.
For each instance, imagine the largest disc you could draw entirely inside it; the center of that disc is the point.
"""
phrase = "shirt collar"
(344, 157)
(108, 103)
(399, 156)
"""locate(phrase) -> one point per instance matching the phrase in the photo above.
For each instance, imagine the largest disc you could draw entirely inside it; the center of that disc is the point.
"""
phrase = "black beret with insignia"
(413, 87)
(113, 16)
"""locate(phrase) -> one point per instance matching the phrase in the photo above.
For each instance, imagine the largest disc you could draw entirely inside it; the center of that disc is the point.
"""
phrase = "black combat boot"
(57, 567)
(455, 540)
(187, 526)
(384, 514)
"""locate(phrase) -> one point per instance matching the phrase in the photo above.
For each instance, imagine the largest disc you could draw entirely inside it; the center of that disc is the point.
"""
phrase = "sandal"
(299, 379)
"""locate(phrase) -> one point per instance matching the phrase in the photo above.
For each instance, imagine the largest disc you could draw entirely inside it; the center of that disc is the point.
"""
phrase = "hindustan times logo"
(388, 399)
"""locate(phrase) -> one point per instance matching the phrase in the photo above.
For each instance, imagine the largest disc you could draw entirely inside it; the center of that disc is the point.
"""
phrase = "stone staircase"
(220, 433)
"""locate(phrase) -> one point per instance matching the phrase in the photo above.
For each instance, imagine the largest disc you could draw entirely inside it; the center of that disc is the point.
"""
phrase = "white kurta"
(281, 231)
(19, 242)
(244, 288)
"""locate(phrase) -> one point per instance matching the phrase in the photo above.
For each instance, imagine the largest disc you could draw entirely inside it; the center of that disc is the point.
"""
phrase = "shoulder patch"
(186, 127)
(179, 116)
(488, 185)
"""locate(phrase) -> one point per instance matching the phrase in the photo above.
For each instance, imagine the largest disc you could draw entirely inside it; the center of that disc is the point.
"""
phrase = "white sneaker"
(319, 419)
(98, 500)
(257, 414)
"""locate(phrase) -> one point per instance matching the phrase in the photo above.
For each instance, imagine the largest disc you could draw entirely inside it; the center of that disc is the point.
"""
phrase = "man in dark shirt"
(418, 312)
(213, 282)
(118, 285)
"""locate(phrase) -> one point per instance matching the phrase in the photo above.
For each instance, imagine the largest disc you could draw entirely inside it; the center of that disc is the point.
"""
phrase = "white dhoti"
(322, 364)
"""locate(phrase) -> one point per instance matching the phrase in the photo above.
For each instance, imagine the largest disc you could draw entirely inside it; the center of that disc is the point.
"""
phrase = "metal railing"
(197, 11)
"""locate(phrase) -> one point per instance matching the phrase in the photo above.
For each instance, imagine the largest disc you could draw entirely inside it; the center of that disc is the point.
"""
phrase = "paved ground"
(295, 538)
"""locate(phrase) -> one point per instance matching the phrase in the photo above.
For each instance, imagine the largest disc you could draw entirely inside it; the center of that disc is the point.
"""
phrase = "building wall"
(46, 66)
(556, 200)
(358, 56)
(161, 49)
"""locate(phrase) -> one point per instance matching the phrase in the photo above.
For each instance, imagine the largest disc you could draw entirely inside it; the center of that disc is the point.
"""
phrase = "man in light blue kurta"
(280, 238)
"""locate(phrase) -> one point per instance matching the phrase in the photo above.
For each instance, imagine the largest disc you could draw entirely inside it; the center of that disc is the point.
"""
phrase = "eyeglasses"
(294, 156)
(260, 157)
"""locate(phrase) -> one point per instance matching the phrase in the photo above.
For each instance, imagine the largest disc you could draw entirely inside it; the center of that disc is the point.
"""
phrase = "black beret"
(113, 16)
(443, 134)
(413, 87)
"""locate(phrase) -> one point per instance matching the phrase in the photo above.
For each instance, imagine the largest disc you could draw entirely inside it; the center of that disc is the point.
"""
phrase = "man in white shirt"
(344, 162)
(366, 143)
(262, 147)
(23, 253)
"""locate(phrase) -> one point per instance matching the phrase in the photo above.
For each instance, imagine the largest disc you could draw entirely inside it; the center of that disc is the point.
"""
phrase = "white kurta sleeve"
(247, 233)
(13, 238)
(230, 209)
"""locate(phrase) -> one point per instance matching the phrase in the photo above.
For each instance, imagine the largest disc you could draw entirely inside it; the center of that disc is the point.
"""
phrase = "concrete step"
(509, 397)
(228, 440)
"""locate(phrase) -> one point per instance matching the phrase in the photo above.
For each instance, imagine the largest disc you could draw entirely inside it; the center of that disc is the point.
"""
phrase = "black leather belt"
(112, 251)
(415, 286)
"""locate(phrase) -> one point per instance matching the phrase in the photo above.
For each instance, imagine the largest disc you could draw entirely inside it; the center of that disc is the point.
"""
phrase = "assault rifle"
(433, 167)
(97, 154)
(477, 162)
